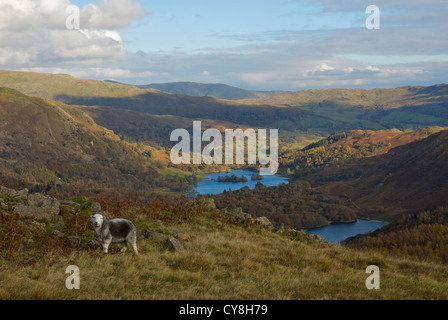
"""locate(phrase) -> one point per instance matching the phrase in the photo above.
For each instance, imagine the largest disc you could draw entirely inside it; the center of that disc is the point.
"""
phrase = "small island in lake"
(232, 178)
(257, 176)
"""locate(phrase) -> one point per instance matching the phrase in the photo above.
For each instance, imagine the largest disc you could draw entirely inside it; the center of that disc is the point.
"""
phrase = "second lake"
(212, 186)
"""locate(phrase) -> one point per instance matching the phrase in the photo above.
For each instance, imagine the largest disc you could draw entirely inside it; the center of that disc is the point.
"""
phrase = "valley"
(346, 154)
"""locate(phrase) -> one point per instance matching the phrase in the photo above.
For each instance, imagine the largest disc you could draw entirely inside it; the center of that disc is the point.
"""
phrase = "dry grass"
(221, 261)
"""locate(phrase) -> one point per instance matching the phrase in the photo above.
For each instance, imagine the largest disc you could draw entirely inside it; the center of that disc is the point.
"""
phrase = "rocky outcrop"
(305, 237)
(28, 205)
(174, 244)
(265, 223)
(95, 208)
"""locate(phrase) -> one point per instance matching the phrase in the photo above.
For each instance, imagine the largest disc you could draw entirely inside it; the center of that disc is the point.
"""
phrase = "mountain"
(73, 91)
(50, 145)
(406, 179)
(346, 147)
(218, 91)
(402, 107)
(421, 236)
(316, 112)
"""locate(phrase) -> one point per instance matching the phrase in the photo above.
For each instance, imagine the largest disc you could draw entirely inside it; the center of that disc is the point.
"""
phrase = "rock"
(207, 204)
(95, 207)
(265, 223)
(177, 233)
(56, 237)
(7, 192)
(67, 210)
(70, 203)
(305, 237)
(157, 236)
(240, 216)
(20, 195)
(34, 226)
(49, 209)
(73, 242)
(56, 234)
(174, 244)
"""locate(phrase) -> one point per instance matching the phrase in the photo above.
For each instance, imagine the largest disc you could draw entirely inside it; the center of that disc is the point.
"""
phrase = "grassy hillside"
(73, 91)
(218, 91)
(55, 147)
(422, 236)
(223, 259)
(407, 179)
(379, 99)
(402, 107)
(346, 147)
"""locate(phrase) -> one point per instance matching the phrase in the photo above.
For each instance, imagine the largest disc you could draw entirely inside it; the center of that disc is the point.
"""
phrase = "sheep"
(116, 231)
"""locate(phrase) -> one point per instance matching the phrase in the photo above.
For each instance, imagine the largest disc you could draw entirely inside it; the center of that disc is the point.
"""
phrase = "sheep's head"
(97, 220)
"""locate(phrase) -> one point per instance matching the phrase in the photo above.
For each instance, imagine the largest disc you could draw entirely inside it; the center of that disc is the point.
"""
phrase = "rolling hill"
(53, 146)
(73, 91)
(406, 179)
(216, 90)
(402, 107)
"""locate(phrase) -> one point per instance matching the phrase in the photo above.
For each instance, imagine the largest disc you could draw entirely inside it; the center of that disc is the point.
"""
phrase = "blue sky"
(253, 44)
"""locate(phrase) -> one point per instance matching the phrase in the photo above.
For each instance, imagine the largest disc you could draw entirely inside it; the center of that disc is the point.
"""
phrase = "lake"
(212, 186)
(333, 232)
(337, 232)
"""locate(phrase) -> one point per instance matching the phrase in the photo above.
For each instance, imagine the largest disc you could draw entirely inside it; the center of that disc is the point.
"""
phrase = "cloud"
(410, 47)
(34, 33)
(111, 14)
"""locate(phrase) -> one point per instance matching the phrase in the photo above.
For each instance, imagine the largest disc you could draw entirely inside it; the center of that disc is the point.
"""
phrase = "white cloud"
(33, 33)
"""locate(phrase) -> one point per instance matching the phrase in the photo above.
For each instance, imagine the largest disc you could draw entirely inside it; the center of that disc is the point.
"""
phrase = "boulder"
(240, 216)
(56, 234)
(265, 223)
(95, 207)
(56, 237)
(177, 233)
(20, 195)
(73, 242)
(7, 192)
(174, 244)
(157, 236)
(48, 209)
(67, 210)
(34, 226)
(70, 203)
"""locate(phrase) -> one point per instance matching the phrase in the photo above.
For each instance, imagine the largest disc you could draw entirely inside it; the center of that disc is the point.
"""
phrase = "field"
(222, 260)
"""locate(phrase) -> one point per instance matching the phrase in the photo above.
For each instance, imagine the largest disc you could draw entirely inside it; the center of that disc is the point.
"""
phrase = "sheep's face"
(97, 220)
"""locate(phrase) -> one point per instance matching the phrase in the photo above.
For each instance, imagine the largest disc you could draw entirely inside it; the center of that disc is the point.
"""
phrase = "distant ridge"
(215, 90)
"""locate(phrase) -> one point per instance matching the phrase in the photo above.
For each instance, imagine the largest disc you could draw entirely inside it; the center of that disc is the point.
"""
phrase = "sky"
(251, 44)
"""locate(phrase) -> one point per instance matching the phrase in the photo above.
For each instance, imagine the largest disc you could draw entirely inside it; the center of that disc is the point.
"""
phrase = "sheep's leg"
(134, 245)
(125, 246)
(106, 244)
